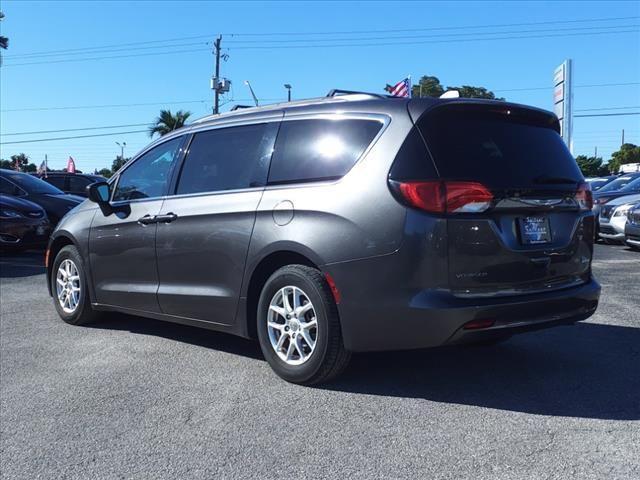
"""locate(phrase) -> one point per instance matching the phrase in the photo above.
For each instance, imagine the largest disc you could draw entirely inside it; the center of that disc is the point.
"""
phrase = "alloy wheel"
(292, 325)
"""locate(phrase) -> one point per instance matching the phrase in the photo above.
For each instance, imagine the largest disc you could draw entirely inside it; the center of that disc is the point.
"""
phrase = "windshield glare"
(632, 185)
(32, 184)
(618, 183)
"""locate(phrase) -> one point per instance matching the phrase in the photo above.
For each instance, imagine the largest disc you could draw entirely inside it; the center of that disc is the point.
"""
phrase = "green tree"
(105, 172)
(118, 163)
(5, 163)
(167, 122)
(628, 153)
(17, 161)
(591, 166)
(31, 167)
(429, 86)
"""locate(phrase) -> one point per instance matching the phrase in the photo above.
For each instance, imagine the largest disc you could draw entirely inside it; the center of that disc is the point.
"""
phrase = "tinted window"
(149, 175)
(412, 161)
(9, 188)
(78, 184)
(619, 183)
(228, 158)
(55, 181)
(496, 148)
(31, 184)
(309, 150)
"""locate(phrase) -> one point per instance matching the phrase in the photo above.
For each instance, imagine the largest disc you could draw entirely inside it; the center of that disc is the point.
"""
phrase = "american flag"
(400, 89)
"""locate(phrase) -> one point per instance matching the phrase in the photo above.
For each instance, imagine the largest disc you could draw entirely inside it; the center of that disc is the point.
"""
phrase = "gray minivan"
(342, 224)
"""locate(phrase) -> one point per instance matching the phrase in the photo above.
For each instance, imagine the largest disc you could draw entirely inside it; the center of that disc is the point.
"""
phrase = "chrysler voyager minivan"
(342, 224)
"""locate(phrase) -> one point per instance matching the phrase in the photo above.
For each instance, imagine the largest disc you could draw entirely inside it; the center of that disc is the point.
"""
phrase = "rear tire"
(70, 289)
(299, 328)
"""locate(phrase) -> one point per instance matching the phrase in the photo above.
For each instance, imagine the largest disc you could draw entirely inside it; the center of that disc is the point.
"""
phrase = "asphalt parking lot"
(135, 398)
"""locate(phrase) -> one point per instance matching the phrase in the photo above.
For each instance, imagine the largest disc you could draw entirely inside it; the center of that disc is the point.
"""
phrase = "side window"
(309, 150)
(9, 188)
(149, 175)
(56, 181)
(78, 184)
(228, 158)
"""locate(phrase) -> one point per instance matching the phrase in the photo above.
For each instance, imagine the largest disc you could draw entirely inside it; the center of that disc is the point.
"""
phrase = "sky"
(158, 55)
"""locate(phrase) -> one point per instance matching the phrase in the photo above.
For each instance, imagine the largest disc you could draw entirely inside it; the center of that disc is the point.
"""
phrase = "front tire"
(299, 328)
(70, 289)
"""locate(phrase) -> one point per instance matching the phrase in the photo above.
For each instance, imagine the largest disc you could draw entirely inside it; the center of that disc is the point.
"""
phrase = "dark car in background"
(597, 183)
(632, 228)
(23, 224)
(73, 183)
(347, 223)
(53, 200)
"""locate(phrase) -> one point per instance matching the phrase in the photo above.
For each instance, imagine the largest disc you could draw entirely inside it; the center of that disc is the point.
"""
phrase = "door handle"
(166, 218)
(147, 220)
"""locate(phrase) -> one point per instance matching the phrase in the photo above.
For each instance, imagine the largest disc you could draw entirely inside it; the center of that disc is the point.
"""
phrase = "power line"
(459, 40)
(438, 35)
(343, 45)
(605, 108)
(118, 105)
(71, 138)
(608, 114)
(458, 27)
(349, 32)
(76, 129)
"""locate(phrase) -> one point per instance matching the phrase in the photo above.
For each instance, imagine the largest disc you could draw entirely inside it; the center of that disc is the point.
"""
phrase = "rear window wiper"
(554, 180)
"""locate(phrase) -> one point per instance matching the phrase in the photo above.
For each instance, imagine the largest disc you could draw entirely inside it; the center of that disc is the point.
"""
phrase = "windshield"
(618, 183)
(632, 185)
(31, 184)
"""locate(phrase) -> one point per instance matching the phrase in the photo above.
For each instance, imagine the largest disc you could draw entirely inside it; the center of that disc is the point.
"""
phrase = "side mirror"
(99, 193)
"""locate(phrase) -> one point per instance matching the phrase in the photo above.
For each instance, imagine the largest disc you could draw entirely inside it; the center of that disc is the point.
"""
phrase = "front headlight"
(622, 210)
(9, 213)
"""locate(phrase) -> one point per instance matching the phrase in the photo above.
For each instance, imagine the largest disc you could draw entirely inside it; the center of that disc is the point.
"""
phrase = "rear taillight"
(584, 196)
(441, 196)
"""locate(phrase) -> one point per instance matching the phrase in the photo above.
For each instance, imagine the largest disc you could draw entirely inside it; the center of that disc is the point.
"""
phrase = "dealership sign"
(562, 100)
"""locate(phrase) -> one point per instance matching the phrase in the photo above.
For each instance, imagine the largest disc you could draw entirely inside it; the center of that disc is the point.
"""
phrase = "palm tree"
(167, 122)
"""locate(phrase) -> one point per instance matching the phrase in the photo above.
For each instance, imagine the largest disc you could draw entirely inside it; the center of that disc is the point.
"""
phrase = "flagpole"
(410, 86)
(46, 165)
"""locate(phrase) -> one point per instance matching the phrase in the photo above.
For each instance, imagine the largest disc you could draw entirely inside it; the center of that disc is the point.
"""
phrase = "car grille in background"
(606, 211)
(607, 230)
(35, 214)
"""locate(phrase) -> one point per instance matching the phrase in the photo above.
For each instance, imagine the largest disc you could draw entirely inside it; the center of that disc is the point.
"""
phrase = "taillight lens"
(584, 196)
(440, 196)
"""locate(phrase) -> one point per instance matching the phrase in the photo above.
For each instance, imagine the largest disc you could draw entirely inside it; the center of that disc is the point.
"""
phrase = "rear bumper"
(434, 318)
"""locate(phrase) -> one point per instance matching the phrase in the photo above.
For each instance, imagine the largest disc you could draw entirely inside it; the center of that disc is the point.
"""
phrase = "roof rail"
(336, 92)
(239, 107)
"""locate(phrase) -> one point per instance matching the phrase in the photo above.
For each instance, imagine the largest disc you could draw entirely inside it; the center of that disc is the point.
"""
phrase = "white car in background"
(613, 217)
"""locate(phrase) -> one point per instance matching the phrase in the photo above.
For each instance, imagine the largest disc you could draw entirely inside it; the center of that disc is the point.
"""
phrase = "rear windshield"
(619, 183)
(31, 184)
(499, 149)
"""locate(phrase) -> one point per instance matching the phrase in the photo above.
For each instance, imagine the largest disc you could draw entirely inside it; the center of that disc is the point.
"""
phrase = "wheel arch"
(56, 244)
(259, 275)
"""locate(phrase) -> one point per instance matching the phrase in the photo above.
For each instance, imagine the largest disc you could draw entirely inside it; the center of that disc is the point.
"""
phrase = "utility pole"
(216, 95)
(595, 154)
(46, 166)
(622, 137)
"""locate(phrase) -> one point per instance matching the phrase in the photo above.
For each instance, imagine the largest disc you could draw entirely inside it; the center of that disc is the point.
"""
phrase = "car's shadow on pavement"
(181, 333)
(586, 370)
